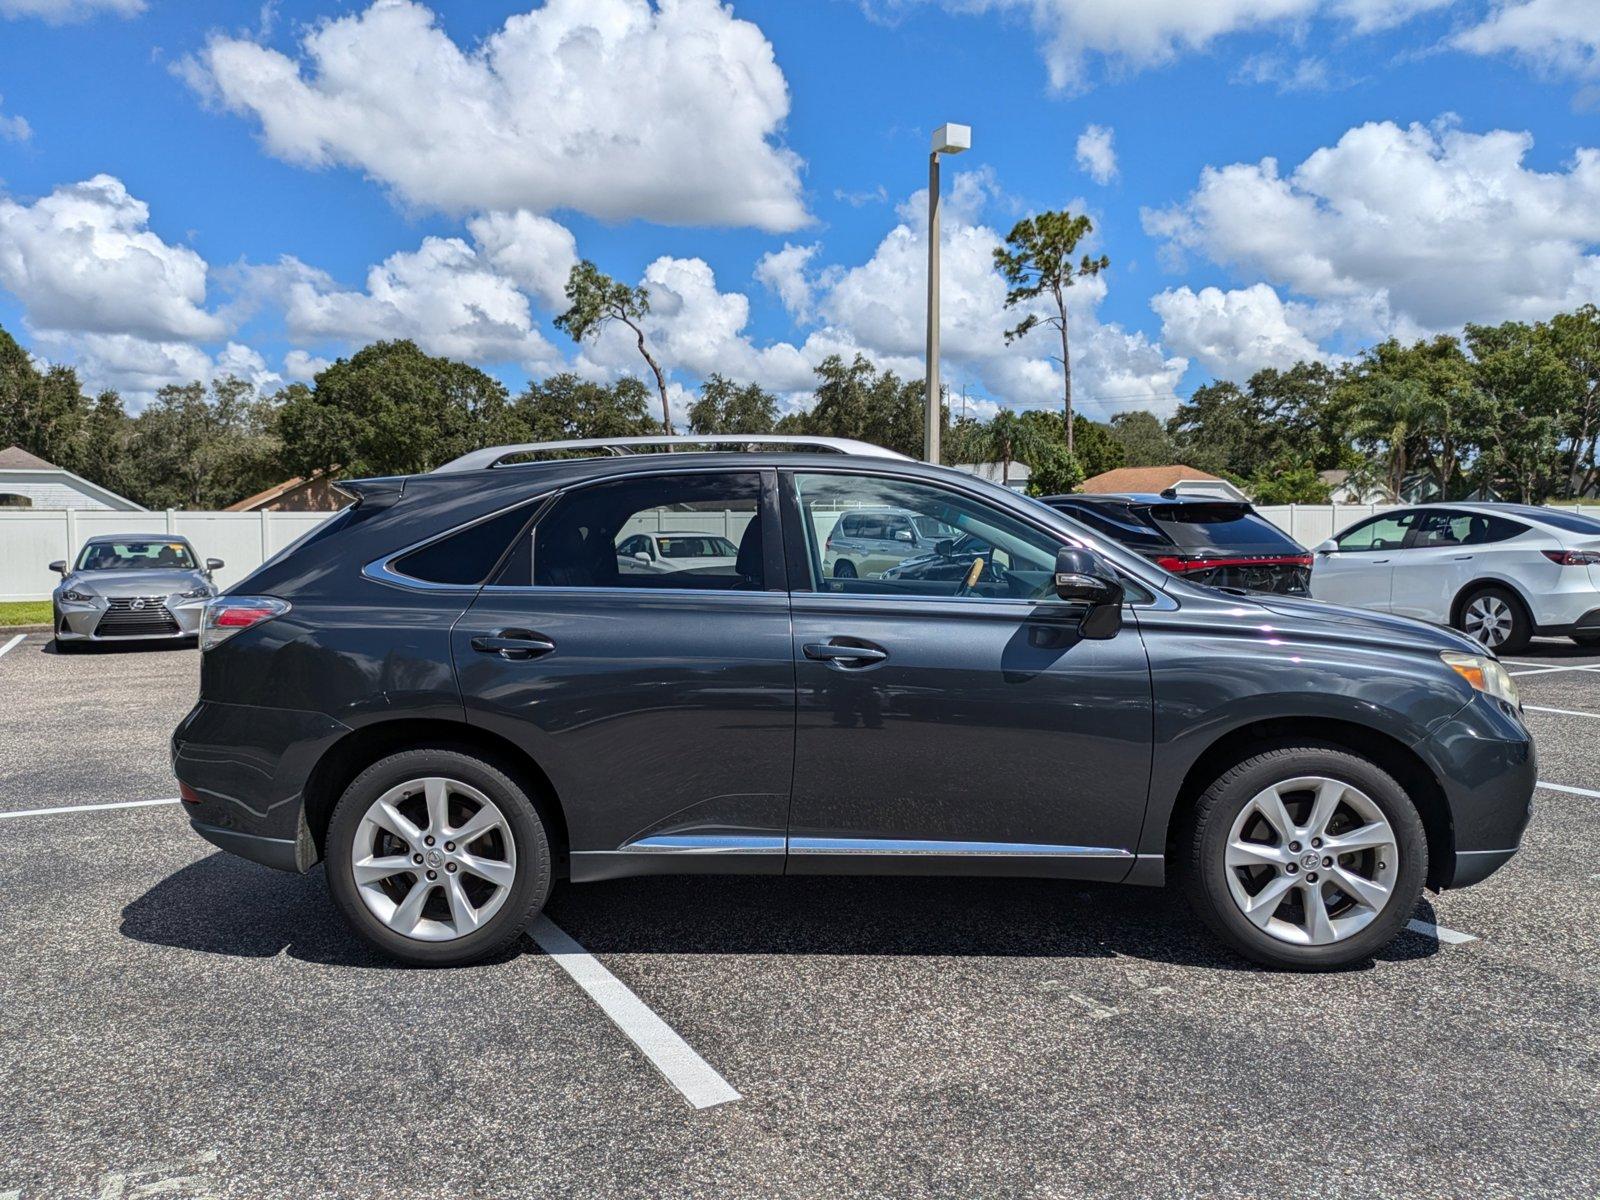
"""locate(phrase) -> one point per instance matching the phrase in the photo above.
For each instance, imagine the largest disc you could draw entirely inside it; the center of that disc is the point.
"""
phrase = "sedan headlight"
(1485, 674)
(203, 592)
(77, 597)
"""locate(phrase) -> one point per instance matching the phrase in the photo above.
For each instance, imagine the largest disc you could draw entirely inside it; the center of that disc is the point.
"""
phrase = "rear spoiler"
(374, 493)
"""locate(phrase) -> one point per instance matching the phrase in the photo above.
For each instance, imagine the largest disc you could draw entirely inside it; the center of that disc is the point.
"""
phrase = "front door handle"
(844, 655)
(514, 645)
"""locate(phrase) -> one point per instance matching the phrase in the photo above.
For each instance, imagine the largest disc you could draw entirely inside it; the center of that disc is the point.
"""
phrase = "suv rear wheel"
(438, 858)
(1306, 857)
(1497, 619)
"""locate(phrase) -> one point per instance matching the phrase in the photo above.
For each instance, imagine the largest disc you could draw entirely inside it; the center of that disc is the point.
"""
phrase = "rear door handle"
(513, 645)
(843, 655)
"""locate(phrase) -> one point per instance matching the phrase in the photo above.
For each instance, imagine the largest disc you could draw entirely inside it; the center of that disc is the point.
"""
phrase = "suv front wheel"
(438, 858)
(1306, 857)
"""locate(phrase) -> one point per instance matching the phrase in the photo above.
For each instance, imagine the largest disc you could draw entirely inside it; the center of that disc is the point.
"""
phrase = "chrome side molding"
(886, 847)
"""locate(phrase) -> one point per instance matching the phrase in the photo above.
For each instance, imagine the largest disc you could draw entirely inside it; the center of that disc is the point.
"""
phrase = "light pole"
(947, 139)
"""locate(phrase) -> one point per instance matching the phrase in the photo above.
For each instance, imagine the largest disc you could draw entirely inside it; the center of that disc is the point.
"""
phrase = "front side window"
(987, 555)
(1386, 532)
(135, 555)
(706, 531)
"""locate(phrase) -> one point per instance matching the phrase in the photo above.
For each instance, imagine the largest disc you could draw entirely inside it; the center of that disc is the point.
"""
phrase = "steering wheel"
(971, 581)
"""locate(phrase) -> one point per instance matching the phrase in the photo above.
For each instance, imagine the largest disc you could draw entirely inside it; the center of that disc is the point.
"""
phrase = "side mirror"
(59, 566)
(944, 547)
(215, 564)
(1083, 577)
(1328, 547)
(902, 535)
(641, 555)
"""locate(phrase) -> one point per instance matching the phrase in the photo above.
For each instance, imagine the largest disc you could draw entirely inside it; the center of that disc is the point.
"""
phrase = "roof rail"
(493, 456)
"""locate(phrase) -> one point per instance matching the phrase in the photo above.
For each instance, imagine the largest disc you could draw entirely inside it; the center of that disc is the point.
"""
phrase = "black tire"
(1586, 639)
(844, 569)
(1202, 850)
(528, 891)
(1521, 630)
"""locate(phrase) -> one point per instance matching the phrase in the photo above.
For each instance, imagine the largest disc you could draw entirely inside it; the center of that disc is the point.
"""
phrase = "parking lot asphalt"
(180, 1021)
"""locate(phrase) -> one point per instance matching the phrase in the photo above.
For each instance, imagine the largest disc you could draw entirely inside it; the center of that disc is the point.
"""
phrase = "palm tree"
(1394, 416)
(1008, 439)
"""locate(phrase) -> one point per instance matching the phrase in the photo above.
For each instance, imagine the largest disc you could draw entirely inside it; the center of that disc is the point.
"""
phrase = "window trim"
(381, 569)
(773, 564)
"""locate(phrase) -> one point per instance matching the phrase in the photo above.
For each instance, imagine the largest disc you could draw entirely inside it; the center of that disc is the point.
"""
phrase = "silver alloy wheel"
(1489, 619)
(433, 859)
(1312, 860)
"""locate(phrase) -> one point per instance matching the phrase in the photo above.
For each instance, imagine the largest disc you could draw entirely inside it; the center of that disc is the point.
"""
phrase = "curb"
(8, 630)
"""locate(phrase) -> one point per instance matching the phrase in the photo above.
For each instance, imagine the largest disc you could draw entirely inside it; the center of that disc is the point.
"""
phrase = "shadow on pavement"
(225, 905)
(91, 649)
(1555, 649)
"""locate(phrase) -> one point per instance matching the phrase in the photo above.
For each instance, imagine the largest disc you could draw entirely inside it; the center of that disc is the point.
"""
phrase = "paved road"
(177, 1017)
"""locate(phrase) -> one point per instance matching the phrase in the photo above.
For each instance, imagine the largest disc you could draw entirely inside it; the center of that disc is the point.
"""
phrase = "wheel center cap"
(434, 858)
(1308, 860)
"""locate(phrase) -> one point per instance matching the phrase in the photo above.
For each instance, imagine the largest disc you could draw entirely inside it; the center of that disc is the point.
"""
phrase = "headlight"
(203, 592)
(1484, 673)
(76, 597)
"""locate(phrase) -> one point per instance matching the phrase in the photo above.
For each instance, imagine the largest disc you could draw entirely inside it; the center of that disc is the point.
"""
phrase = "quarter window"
(465, 558)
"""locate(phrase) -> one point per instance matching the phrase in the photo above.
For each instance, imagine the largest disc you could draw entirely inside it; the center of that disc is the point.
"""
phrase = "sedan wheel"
(1495, 620)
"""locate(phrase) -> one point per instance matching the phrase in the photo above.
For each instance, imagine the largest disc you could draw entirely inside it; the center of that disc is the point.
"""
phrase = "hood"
(1365, 625)
(141, 581)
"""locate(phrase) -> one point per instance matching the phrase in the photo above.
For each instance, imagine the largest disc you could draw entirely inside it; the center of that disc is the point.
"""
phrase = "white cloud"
(84, 259)
(1560, 36)
(1236, 333)
(445, 295)
(536, 253)
(1307, 74)
(303, 367)
(64, 12)
(615, 108)
(1404, 230)
(1370, 15)
(784, 272)
(14, 129)
(138, 367)
(1096, 155)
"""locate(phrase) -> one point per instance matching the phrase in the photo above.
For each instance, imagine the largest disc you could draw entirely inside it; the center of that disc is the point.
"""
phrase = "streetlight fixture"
(947, 139)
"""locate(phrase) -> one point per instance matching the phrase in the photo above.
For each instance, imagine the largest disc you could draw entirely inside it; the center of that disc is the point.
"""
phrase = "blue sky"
(186, 189)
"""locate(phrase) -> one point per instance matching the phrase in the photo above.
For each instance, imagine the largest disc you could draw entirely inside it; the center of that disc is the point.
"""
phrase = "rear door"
(660, 705)
(957, 723)
(1360, 570)
(1431, 568)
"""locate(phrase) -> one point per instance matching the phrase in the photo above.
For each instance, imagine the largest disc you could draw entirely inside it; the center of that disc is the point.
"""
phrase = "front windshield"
(136, 555)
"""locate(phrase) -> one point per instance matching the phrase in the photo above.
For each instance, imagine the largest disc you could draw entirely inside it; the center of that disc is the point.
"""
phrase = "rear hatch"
(1228, 544)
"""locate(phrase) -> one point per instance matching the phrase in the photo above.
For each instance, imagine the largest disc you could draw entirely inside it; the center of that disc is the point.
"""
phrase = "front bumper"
(128, 619)
(245, 771)
(1484, 759)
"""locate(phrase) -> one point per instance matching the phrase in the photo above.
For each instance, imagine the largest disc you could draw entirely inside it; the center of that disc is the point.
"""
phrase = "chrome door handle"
(844, 656)
(513, 645)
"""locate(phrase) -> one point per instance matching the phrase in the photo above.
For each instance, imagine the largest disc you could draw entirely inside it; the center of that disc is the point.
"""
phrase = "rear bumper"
(1587, 622)
(1484, 759)
(247, 768)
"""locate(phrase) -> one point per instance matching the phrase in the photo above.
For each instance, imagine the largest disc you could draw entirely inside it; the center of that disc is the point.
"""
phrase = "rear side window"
(1233, 528)
(707, 531)
(1570, 522)
(1119, 523)
(465, 557)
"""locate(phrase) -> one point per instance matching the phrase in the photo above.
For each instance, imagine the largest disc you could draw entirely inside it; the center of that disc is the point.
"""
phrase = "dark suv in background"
(1224, 543)
(451, 694)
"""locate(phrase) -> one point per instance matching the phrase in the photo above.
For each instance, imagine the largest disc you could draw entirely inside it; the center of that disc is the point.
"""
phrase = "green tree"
(564, 406)
(595, 300)
(1036, 261)
(1575, 338)
(44, 412)
(1054, 471)
(197, 448)
(104, 458)
(1144, 439)
(1528, 390)
(1221, 428)
(391, 409)
(725, 407)
(1095, 446)
(1288, 483)
(859, 401)
(1009, 438)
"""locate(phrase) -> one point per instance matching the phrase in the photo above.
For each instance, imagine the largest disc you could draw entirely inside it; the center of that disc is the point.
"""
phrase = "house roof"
(17, 459)
(262, 499)
(1143, 479)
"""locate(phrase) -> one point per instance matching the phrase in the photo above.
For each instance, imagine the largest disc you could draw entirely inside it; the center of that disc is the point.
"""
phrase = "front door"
(955, 720)
(1360, 571)
(660, 704)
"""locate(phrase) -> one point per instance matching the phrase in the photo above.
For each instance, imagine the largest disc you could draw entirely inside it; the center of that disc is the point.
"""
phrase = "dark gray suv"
(450, 694)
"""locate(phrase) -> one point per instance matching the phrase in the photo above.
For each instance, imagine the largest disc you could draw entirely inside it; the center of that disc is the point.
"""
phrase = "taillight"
(227, 615)
(1180, 566)
(1572, 558)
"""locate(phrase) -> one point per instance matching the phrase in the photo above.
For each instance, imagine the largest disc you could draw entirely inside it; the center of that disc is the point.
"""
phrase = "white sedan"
(1499, 572)
(669, 551)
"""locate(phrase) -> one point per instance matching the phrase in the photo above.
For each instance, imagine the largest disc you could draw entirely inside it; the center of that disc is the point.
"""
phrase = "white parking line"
(1543, 670)
(1571, 791)
(659, 1042)
(77, 808)
(1565, 712)
(1439, 932)
(16, 641)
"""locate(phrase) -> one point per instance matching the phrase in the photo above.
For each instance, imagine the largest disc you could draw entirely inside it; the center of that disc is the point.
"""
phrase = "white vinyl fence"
(31, 539)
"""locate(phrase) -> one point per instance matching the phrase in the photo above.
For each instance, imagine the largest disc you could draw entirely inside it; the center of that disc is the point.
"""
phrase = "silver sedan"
(131, 587)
